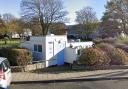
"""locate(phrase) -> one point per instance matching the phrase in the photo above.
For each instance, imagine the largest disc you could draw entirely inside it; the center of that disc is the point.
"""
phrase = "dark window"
(4, 65)
(35, 48)
(7, 63)
(39, 48)
(78, 52)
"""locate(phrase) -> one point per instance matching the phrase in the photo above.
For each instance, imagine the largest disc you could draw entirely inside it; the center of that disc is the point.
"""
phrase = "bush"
(94, 57)
(119, 57)
(108, 48)
(116, 55)
(16, 57)
(23, 56)
(122, 40)
(106, 40)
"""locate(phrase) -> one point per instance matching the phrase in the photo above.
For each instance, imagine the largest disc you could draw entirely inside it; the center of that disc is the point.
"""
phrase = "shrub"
(98, 40)
(106, 40)
(94, 56)
(122, 40)
(22, 56)
(116, 55)
(16, 57)
(109, 40)
(119, 57)
(108, 48)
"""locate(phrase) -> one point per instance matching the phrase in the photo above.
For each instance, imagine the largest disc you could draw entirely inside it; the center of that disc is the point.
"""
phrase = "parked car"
(5, 73)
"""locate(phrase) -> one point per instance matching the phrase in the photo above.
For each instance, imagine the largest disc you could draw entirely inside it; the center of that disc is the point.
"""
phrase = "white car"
(5, 73)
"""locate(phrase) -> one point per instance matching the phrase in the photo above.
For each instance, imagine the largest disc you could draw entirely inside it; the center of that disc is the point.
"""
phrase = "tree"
(7, 17)
(10, 23)
(115, 18)
(35, 26)
(47, 12)
(58, 28)
(3, 29)
(86, 17)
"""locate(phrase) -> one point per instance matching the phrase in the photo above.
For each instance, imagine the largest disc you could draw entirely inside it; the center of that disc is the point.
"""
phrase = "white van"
(5, 73)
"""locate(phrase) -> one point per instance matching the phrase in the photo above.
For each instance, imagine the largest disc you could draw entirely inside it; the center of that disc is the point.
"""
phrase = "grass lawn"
(10, 43)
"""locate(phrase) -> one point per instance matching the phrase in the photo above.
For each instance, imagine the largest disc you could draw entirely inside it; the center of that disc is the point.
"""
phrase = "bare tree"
(7, 17)
(86, 17)
(3, 29)
(47, 12)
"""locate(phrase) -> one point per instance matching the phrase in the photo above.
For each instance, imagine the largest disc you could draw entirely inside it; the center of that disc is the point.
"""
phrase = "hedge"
(16, 57)
(94, 57)
(117, 56)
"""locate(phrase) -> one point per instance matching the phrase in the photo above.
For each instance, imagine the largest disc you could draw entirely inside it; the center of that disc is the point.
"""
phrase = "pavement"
(27, 77)
(102, 84)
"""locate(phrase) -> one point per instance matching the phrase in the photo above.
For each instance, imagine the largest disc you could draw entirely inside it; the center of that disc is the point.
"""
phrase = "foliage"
(23, 56)
(94, 57)
(46, 11)
(117, 56)
(7, 17)
(122, 40)
(16, 57)
(58, 28)
(106, 40)
(13, 43)
(115, 18)
(3, 29)
(86, 17)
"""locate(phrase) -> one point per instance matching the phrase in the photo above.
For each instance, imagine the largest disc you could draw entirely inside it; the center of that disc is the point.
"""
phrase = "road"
(106, 84)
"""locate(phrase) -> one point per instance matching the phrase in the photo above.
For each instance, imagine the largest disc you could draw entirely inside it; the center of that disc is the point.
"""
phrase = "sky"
(13, 7)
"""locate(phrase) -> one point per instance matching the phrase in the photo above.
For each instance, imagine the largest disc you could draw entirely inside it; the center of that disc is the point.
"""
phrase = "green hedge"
(16, 57)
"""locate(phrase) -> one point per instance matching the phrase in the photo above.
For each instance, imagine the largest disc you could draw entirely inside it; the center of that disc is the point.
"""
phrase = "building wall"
(55, 49)
(55, 46)
(70, 55)
(35, 40)
(80, 44)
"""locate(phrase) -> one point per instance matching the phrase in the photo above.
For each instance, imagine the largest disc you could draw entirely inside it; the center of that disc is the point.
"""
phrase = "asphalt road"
(106, 84)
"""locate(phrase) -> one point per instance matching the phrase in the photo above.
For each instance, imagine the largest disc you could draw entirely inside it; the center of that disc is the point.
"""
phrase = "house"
(26, 33)
(75, 32)
(54, 49)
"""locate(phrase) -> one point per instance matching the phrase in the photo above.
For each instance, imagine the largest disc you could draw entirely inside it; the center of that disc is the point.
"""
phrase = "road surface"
(106, 84)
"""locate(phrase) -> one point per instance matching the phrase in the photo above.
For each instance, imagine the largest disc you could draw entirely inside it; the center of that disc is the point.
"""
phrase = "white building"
(54, 50)
(26, 32)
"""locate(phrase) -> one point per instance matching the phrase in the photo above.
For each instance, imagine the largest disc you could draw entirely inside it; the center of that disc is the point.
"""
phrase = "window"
(35, 48)
(39, 48)
(78, 52)
(5, 66)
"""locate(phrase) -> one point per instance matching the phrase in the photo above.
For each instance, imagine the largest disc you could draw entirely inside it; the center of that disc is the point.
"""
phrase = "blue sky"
(13, 7)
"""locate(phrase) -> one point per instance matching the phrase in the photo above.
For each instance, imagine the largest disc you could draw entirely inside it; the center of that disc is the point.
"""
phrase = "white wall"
(70, 55)
(39, 40)
(27, 45)
(51, 45)
(52, 48)
(81, 44)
